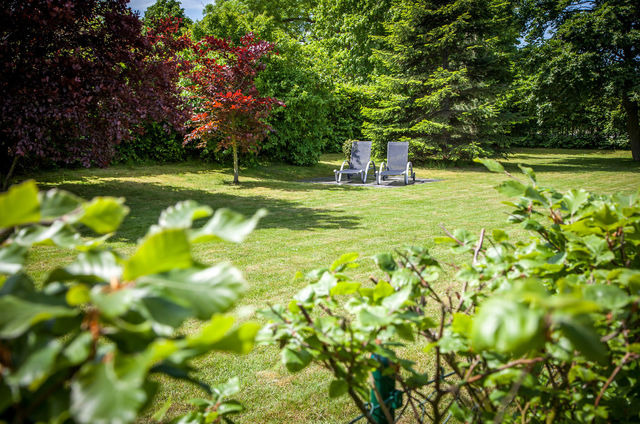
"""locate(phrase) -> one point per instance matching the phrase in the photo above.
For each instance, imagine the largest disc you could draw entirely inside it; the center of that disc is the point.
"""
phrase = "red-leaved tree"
(228, 107)
(76, 77)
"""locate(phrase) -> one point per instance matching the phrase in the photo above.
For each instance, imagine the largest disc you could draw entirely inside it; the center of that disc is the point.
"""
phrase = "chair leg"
(406, 179)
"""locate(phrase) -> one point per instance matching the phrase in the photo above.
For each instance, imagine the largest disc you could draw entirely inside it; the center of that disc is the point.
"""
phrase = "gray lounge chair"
(359, 163)
(397, 162)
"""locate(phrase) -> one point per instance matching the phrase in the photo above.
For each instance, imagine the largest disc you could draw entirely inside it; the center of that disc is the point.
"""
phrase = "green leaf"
(12, 258)
(343, 260)
(37, 367)
(78, 294)
(382, 290)
(499, 236)
(606, 296)
(213, 331)
(374, 316)
(56, 203)
(528, 172)
(385, 262)
(325, 285)
(226, 225)
(113, 303)
(100, 395)
(230, 407)
(240, 340)
(511, 188)
(405, 331)
(397, 299)
(583, 336)
(79, 349)
(229, 388)
(462, 323)
(89, 267)
(165, 316)
(606, 218)
(490, 164)
(507, 326)
(20, 205)
(163, 251)
(535, 196)
(18, 315)
(205, 291)
(183, 214)
(574, 199)
(404, 277)
(104, 214)
(295, 360)
(345, 287)
(338, 388)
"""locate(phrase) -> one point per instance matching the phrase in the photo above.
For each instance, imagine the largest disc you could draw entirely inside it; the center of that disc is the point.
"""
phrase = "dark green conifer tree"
(446, 80)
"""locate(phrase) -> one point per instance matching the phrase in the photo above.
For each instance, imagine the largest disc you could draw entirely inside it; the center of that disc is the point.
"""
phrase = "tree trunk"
(235, 162)
(633, 126)
(6, 179)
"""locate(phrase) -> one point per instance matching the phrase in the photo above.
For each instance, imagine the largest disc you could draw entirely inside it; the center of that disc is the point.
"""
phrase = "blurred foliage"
(83, 346)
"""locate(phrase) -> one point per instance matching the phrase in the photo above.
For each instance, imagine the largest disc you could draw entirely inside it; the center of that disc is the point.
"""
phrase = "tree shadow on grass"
(579, 164)
(541, 164)
(147, 200)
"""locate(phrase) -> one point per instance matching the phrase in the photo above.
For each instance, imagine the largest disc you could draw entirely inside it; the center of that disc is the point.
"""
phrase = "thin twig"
(625, 358)
(478, 247)
(451, 235)
(503, 367)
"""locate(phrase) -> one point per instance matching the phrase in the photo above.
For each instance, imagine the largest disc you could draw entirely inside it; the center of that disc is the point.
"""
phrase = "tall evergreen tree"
(447, 71)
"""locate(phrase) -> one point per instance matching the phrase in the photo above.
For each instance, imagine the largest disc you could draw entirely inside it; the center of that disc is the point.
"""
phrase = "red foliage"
(228, 103)
(77, 76)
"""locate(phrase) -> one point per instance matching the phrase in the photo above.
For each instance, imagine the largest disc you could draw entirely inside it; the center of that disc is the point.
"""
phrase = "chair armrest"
(409, 167)
(383, 166)
(341, 166)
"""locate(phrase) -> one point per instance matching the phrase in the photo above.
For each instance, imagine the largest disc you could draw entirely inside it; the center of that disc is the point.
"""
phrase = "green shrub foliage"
(543, 328)
(158, 143)
(82, 345)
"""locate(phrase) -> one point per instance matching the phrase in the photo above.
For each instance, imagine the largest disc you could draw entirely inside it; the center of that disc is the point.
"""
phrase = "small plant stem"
(615, 372)
(503, 367)
(478, 247)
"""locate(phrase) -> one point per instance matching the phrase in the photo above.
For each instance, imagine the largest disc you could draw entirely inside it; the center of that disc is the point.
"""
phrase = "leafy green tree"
(84, 344)
(447, 68)
(162, 9)
(350, 31)
(589, 52)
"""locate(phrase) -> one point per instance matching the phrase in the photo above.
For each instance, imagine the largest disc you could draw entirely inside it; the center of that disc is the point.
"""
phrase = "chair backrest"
(397, 154)
(360, 154)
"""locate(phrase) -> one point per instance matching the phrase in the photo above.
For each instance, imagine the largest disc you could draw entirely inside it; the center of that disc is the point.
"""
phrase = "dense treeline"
(456, 78)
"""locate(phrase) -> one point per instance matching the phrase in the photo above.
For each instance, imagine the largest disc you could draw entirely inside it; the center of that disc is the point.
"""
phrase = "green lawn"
(309, 225)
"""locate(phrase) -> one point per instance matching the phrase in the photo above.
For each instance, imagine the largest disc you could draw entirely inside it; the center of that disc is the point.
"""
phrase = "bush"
(345, 117)
(82, 346)
(158, 143)
(593, 141)
(543, 328)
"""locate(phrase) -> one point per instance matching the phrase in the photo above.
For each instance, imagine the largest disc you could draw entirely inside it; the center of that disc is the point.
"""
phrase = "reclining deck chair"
(359, 163)
(397, 162)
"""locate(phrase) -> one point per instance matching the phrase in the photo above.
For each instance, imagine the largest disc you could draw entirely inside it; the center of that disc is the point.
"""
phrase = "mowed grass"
(309, 226)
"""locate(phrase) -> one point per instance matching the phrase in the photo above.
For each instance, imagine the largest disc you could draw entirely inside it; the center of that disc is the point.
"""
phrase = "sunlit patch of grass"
(308, 226)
